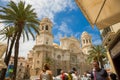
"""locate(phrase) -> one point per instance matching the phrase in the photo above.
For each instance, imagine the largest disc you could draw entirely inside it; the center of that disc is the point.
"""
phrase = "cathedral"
(71, 53)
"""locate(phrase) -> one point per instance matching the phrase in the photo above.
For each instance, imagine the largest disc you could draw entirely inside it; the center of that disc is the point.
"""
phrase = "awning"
(102, 13)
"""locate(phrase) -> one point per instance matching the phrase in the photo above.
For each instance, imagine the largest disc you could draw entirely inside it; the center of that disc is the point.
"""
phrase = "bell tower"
(45, 37)
(86, 41)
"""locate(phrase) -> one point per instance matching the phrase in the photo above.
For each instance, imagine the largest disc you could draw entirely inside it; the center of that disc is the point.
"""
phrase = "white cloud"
(57, 37)
(65, 28)
(46, 8)
(96, 39)
(26, 47)
(1, 26)
(97, 42)
(77, 35)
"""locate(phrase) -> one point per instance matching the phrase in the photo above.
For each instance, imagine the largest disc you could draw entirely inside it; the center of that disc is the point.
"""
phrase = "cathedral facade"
(71, 53)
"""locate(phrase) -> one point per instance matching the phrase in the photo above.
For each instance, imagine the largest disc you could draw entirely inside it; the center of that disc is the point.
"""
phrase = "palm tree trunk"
(16, 54)
(7, 47)
(7, 58)
(4, 70)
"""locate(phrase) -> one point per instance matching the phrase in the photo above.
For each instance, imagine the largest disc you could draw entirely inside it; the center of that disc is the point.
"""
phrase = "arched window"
(21, 64)
(38, 62)
(42, 27)
(58, 57)
(47, 41)
(46, 28)
(84, 41)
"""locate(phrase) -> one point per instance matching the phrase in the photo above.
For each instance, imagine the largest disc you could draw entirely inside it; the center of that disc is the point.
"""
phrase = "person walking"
(46, 73)
(19, 75)
(86, 76)
(70, 77)
(27, 73)
(98, 73)
(75, 75)
(62, 75)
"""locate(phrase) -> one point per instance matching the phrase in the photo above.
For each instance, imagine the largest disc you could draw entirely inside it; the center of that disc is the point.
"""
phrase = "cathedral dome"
(84, 34)
(46, 20)
(73, 38)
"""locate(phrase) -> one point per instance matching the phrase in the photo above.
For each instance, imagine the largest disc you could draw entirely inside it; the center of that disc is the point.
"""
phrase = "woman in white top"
(46, 73)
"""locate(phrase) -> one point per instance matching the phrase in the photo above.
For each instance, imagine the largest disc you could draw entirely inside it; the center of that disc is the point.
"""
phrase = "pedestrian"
(113, 76)
(46, 73)
(19, 75)
(10, 70)
(62, 75)
(86, 76)
(98, 73)
(70, 75)
(75, 75)
(27, 73)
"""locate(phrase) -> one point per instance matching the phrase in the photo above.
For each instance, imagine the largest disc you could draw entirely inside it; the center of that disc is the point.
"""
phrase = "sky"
(66, 17)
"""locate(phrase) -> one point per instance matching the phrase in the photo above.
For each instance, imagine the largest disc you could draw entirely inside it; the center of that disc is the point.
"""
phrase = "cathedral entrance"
(58, 71)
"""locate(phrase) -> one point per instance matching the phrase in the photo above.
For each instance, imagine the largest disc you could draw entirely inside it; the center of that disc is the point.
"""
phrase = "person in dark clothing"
(98, 73)
(113, 76)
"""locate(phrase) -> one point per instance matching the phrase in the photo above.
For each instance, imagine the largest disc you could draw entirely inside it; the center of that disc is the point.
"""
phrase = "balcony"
(108, 37)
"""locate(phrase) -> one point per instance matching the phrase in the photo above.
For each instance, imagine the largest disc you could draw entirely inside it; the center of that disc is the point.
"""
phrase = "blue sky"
(66, 17)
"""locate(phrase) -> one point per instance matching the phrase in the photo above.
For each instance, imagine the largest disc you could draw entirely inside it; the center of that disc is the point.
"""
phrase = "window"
(84, 41)
(46, 27)
(37, 62)
(46, 42)
(105, 31)
(42, 27)
(59, 57)
(20, 64)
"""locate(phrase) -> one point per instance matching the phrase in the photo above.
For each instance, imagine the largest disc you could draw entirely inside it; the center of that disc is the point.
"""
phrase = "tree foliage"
(98, 52)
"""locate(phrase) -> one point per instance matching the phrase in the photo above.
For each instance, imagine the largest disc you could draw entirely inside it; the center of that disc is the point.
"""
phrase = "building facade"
(111, 39)
(69, 54)
(22, 63)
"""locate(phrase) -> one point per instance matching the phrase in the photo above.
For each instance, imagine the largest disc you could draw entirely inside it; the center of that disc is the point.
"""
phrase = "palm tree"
(7, 33)
(98, 53)
(25, 21)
